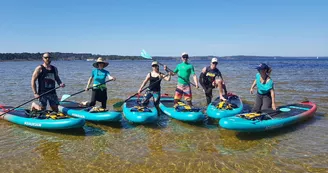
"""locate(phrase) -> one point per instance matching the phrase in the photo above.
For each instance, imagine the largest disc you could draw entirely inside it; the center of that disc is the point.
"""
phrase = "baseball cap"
(262, 66)
(184, 55)
(214, 60)
(154, 63)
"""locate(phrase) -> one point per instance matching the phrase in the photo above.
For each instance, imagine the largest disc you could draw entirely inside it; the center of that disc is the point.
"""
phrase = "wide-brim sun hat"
(100, 60)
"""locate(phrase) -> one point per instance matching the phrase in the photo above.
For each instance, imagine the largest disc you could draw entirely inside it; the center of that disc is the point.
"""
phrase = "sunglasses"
(215, 63)
(48, 57)
(154, 65)
(185, 56)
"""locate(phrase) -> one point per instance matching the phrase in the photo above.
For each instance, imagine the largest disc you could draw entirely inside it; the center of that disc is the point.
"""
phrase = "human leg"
(93, 98)
(178, 94)
(43, 102)
(267, 102)
(35, 106)
(221, 86)
(258, 103)
(187, 94)
(53, 101)
(208, 95)
(101, 96)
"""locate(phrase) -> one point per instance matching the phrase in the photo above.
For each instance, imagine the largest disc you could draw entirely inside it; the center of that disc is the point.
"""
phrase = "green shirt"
(263, 88)
(184, 70)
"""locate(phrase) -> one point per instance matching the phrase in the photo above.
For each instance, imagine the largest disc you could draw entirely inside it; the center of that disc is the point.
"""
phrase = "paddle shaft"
(88, 89)
(30, 100)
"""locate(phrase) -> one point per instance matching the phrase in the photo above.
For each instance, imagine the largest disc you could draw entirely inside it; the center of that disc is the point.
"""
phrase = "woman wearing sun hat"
(98, 76)
(154, 82)
(265, 97)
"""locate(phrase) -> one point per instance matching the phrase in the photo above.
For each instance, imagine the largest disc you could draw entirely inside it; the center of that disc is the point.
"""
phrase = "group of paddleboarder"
(210, 77)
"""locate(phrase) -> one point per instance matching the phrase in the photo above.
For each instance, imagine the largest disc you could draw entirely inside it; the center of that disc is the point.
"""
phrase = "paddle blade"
(64, 97)
(118, 104)
(144, 54)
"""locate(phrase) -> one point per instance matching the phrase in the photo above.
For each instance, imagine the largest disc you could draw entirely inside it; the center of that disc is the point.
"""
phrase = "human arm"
(166, 77)
(33, 80)
(273, 99)
(144, 83)
(252, 87)
(59, 82)
(111, 78)
(196, 81)
(194, 77)
(172, 73)
(88, 84)
(201, 78)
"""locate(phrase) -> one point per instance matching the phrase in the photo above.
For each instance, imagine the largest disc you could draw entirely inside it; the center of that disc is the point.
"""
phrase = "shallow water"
(169, 145)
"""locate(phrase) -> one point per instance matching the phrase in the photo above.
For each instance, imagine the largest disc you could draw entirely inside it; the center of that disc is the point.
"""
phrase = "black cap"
(262, 66)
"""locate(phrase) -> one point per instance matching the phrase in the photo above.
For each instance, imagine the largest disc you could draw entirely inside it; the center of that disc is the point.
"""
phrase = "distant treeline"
(61, 56)
(77, 56)
(85, 56)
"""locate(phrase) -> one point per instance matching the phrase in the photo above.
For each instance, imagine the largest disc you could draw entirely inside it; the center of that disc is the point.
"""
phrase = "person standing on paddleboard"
(208, 82)
(46, 75)
(154, 78)
(265, 97)
(98, 76)
(184, 70)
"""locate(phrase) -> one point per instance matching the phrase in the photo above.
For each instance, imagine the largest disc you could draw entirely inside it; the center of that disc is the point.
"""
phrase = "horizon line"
(276, 56)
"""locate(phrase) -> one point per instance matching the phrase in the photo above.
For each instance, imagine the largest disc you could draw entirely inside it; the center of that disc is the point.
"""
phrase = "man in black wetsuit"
(208, 82)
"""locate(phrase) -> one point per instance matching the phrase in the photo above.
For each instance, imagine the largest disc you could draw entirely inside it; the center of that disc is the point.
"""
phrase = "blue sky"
(167, 27)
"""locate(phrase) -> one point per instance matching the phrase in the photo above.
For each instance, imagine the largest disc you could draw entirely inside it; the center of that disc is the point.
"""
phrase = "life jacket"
(140, 109)
(255, 116)
(182, 107)
(224, 105)
(97, 109)
(47, 115)
(251, 115)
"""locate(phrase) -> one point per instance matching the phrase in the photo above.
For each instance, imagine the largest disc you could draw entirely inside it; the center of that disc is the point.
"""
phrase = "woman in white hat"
(154, 78)
(98, 76)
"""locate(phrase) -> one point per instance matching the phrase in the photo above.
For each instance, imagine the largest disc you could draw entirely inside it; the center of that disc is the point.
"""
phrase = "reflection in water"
(168, 145)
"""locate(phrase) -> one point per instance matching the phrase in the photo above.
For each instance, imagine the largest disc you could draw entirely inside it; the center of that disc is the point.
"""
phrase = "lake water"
(169, 145)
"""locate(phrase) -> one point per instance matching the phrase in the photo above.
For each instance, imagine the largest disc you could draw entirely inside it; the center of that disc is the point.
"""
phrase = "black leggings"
(208, 94)
(100, 96)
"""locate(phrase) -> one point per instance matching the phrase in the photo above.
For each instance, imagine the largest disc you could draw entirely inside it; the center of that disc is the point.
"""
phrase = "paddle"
(29, 101)
(66, 96)
(119, 104)
(144, 54)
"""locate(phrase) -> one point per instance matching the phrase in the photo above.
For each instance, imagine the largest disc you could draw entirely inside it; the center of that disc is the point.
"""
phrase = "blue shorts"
(155, 94)
(52, 98)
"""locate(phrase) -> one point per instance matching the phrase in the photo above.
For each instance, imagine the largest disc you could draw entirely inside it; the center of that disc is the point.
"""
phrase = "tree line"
(84, 56)
(61, 56)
